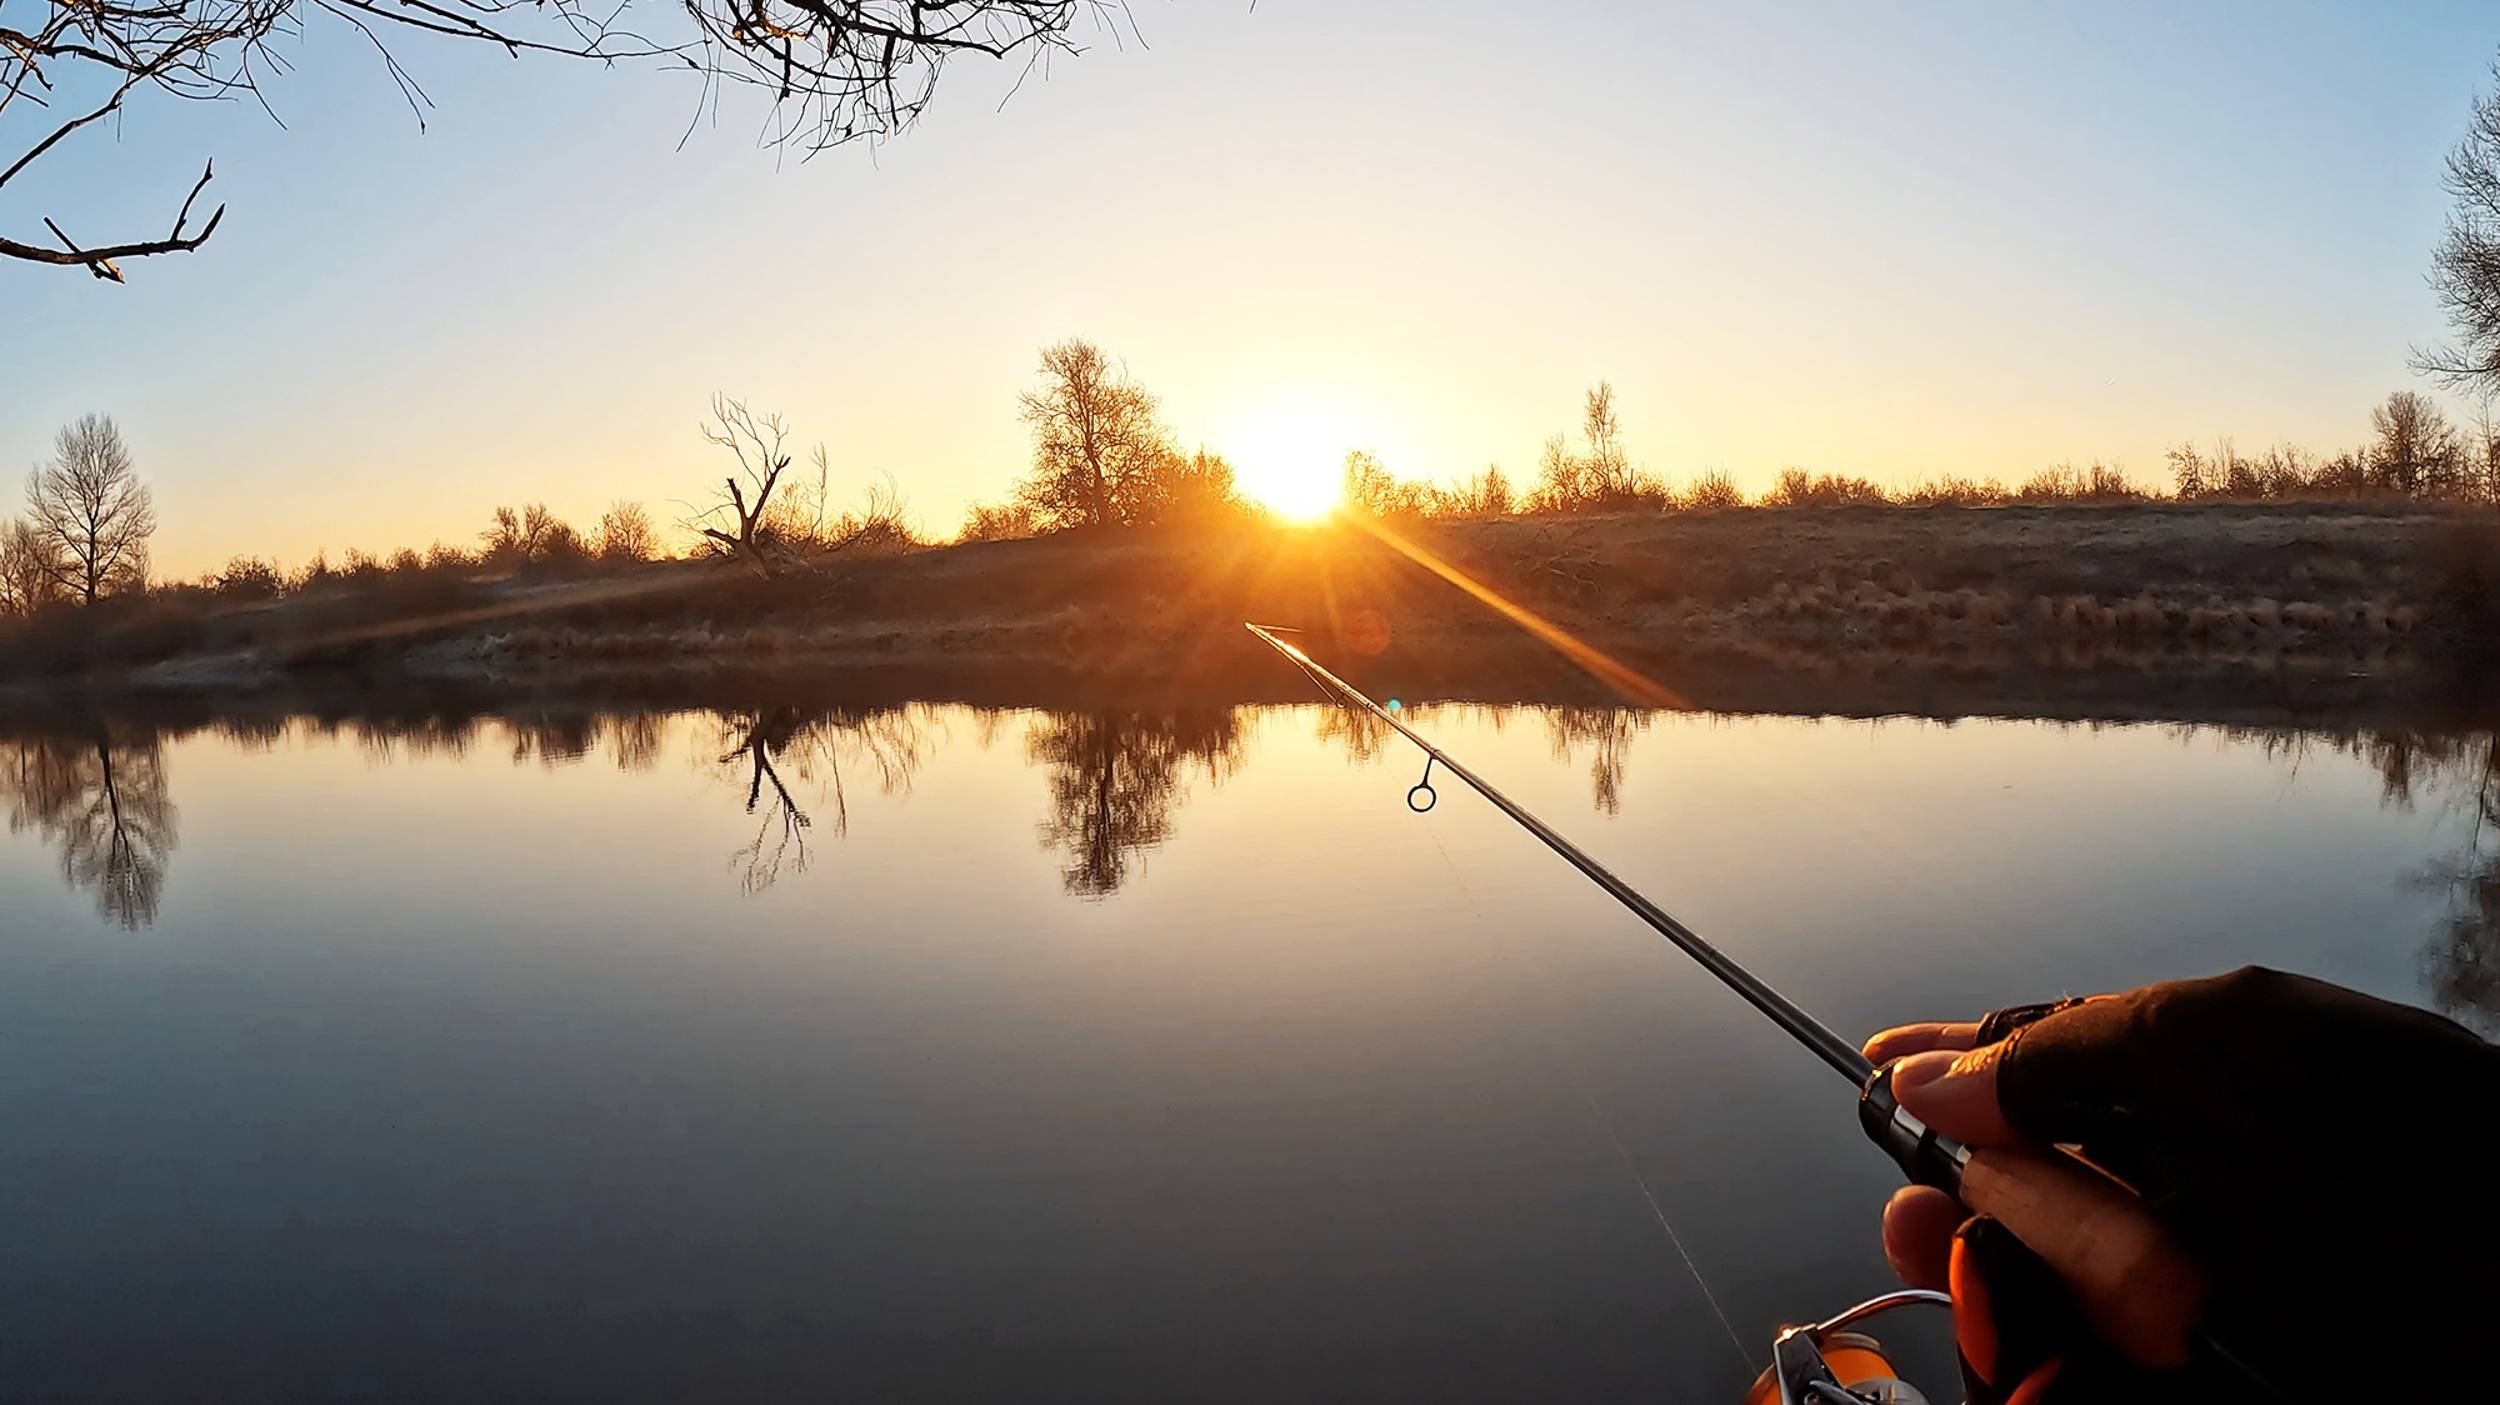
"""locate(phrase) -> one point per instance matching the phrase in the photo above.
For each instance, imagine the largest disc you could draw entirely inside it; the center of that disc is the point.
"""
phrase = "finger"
(1919, 1222)
(1901, 1041)
(1956, 1093)
(2111, 1071)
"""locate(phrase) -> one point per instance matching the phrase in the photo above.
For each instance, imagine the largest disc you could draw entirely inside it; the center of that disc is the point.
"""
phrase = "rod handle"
(2133, 1283)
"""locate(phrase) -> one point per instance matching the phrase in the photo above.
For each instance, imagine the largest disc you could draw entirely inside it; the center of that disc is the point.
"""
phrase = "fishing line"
(2128, 1265)
(1578, 1071)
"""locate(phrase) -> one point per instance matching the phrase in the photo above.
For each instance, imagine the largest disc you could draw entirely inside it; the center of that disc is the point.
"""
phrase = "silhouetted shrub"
(1951, 490)
(1010, 521)
(249, 578)
(1712, 492)
(1798, 488)
(2067, 483)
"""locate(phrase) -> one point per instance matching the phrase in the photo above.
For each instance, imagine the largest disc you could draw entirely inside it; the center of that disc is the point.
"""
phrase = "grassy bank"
(2311, 590)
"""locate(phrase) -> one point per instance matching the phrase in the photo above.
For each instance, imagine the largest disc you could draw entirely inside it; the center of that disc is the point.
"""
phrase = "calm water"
(937, 1053)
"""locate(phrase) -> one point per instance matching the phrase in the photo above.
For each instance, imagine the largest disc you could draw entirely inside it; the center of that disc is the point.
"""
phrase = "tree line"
(1103, 460)
(2414, 453)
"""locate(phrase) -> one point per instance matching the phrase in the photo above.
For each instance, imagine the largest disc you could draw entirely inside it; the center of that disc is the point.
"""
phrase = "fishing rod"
(1930, 1159)
(2135, 1285)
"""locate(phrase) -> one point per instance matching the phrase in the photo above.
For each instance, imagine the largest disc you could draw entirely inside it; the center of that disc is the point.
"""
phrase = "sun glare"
(1291, 459)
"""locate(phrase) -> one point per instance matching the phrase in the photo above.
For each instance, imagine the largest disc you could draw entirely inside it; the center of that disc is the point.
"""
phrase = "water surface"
(933, 1052)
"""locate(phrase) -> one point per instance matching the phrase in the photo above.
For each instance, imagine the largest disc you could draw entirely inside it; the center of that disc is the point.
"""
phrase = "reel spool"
(1824, 1363)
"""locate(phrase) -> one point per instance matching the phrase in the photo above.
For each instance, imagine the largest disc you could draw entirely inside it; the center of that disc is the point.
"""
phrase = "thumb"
(1956, 1093)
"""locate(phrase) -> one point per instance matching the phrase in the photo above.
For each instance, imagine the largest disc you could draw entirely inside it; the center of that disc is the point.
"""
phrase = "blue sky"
(1887, 239)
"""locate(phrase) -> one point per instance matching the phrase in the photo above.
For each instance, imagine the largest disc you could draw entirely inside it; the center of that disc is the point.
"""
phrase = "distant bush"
(1952, 490)
(1488, 494)
(531, 536)
(1798, 488)
(249, 578)
(626, 535)
(2067, 483)
(986, 522)
(1712, 492)
(314, 575)
(1194, 489)
(1370, 490)
(1601, 478)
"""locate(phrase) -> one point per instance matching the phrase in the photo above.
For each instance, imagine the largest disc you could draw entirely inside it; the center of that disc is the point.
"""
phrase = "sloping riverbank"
(2281, 608)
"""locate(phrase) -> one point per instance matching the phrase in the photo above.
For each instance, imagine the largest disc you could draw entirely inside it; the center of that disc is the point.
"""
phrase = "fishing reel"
(1825, 1363)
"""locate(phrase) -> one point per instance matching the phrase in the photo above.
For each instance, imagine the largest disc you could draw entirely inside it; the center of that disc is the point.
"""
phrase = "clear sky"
(1889, 239)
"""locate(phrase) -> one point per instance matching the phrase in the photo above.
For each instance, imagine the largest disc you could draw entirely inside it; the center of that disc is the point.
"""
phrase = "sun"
(1290, 458)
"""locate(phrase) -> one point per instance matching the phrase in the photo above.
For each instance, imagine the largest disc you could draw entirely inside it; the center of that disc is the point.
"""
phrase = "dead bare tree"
(834, 71)
(775, 523)
(747, 495)
(91, 515)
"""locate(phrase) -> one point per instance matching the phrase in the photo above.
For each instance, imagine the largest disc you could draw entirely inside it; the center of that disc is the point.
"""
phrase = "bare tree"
(30, 577)
(2465, 265)
(528, 535)
(833, 72)
(1601, 480)
(775, 522)
(2482, 459)
(2417, 449)
(90, 513)
(626, 534)
(738, 521)
(1488, 494)
(1097, 446)
(1609, 465)
(1369, 489)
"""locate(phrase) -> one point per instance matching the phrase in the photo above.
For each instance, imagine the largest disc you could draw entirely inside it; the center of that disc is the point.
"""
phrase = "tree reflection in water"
(103, 805)
(96, 794)
(1364, 737)
(771, 748)
(2461, 963)
(1115, 778)
(1610, 731)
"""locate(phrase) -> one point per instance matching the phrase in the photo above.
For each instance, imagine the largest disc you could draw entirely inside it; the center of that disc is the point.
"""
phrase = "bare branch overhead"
(834, 71)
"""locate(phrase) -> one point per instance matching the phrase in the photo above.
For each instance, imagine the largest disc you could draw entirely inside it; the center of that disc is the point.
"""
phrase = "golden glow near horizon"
(1286, 292)
(1290, 458)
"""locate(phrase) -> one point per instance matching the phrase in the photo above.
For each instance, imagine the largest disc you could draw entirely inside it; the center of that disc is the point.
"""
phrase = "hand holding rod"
(2132, 1281)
